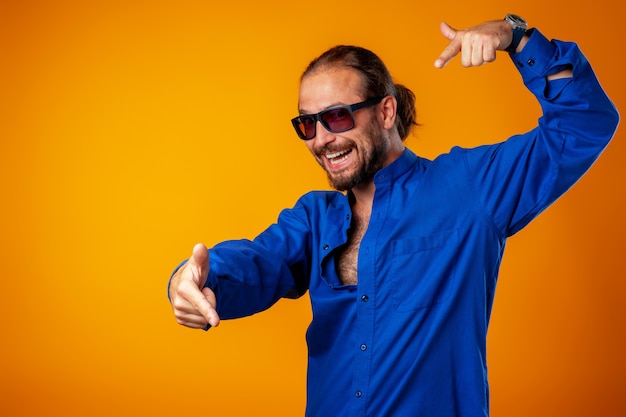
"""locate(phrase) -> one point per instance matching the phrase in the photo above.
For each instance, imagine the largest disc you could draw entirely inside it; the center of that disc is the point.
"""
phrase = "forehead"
(328, 87)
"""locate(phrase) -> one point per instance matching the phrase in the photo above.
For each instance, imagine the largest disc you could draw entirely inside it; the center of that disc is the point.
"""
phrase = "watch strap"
(518, 34)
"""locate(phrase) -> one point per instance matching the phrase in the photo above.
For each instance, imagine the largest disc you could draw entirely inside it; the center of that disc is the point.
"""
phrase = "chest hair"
(348, 258)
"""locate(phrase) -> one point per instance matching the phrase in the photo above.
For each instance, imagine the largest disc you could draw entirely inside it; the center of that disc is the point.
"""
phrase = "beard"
(371, 160)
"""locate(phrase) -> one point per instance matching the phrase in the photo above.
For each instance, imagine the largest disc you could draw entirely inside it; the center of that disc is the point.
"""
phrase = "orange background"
(131, 130)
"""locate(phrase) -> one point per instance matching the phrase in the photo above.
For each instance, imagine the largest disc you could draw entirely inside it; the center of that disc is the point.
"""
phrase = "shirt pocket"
(423, 271)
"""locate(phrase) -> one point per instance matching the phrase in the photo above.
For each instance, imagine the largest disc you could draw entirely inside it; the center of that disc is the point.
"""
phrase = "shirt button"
(365, 298)
(363, 347)
(325, 247)
(358, 394)
(531, 62)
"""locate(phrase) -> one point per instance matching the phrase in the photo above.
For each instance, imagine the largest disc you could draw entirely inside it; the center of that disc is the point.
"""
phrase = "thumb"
(200, 255)
(199, 261)
(448, 31)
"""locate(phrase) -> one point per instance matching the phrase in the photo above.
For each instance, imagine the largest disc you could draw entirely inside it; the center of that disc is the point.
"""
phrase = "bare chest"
(348, 258)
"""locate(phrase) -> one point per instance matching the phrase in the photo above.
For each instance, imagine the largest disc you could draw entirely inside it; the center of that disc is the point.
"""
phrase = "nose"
(322, 135)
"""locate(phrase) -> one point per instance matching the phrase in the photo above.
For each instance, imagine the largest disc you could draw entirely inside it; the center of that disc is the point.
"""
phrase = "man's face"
(349, 158)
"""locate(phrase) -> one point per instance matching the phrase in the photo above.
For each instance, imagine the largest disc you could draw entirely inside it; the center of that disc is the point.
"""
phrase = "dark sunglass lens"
(305, 126)
(337, 120)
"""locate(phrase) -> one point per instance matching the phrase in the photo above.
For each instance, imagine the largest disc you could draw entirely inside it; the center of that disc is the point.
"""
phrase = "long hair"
(376, 77)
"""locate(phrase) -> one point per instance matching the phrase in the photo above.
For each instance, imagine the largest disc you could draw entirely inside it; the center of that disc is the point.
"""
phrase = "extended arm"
(237, 278)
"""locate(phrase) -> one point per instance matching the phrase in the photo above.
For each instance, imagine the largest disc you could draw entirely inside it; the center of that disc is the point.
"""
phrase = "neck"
(364, 191)
(364, 194)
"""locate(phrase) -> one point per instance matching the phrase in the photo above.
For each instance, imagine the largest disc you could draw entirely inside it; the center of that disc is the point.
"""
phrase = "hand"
(194, 305)
(477, 45)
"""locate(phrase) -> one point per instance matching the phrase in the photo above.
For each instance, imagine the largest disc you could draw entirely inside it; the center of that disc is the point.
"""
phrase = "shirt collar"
(397, 168)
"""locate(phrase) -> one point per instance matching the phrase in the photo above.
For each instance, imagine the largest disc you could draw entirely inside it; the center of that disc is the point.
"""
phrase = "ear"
(389, 106)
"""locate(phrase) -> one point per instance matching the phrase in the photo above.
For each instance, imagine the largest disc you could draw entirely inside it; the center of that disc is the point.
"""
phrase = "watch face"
(516, 20)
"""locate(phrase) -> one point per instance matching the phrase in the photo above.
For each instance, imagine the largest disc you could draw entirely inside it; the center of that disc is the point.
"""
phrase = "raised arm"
(523, 175)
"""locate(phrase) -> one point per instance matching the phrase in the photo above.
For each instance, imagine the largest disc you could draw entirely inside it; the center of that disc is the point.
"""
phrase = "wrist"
(519, 37)
(522, 43)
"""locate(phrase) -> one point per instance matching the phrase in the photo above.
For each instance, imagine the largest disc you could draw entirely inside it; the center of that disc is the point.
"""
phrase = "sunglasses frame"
(351, 108)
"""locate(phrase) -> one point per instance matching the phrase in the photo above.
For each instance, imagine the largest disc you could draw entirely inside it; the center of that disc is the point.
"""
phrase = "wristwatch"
(519, 29)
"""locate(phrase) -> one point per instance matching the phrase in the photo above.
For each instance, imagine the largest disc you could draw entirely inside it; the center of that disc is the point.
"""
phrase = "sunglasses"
(336, 119)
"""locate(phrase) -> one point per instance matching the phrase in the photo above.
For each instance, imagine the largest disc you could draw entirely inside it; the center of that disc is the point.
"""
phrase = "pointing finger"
(453, 48)
(212, 317)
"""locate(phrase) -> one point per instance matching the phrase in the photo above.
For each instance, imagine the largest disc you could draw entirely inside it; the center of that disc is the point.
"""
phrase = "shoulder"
(321, 198)
(315, 203)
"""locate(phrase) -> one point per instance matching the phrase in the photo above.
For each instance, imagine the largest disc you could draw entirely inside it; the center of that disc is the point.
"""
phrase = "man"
(401, 269)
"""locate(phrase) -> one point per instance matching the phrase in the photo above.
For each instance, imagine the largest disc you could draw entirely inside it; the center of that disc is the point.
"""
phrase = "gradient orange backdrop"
(131, 130)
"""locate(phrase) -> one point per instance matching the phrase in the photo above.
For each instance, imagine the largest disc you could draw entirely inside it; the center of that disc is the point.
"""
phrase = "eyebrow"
(304, 112)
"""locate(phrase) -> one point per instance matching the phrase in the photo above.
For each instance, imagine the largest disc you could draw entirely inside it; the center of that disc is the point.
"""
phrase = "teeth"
(338, 157)
(335, 155)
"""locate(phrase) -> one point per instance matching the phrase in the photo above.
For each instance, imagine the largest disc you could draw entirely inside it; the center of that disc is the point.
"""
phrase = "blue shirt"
(410, 338)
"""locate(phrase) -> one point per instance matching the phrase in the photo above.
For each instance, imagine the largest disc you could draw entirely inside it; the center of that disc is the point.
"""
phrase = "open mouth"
(338, 157)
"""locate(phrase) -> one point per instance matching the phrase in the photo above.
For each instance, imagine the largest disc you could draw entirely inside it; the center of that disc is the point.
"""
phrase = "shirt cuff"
(536, 57)
(541, 57)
